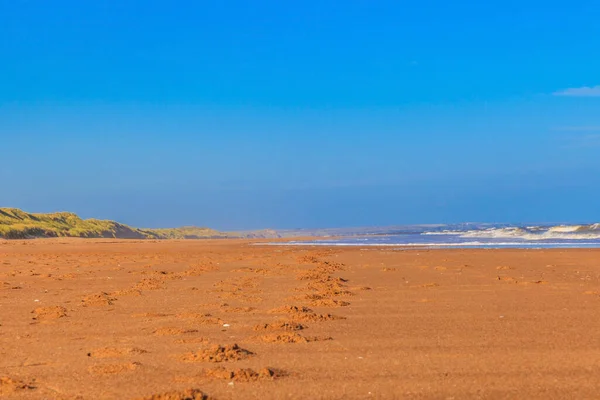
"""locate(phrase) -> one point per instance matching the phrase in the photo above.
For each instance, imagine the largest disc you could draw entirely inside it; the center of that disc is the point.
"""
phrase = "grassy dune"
(17, 224)
(189, 232)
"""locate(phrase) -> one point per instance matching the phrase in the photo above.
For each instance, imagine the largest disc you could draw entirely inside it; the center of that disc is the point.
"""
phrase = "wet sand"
(110, 319)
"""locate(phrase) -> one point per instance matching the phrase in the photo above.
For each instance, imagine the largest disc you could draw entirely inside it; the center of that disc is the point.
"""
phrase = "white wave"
(495, 233)
(566, 228)
(463, 244)
(533, 233)
(443, 233)
(525, 235)
(575, 228)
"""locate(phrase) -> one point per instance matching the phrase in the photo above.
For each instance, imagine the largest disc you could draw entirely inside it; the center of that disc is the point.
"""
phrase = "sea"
(466, 235)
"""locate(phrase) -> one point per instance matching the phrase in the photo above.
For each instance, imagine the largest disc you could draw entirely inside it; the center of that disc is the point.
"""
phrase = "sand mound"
(127, 292)
(329, 303)
(66, 276)
(100, 299)
(309, 259)
(329, 278)
(311, 296)
(218, 353)
(188, 394)
(311, 275)
(290, 337)
(290, 310)
(301, 313)
(283, 326)
(329, 288)
(49, 313)
(10, 386)
(329, 266)
(242, 374)
(151, 315)
(112, 352)
(314, 317)
(109, 369)
(150, 284)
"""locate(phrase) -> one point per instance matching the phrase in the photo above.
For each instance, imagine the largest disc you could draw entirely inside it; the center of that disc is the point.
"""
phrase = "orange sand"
(224, 319)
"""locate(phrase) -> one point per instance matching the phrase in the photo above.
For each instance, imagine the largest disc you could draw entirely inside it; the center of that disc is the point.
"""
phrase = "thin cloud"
(585, 91)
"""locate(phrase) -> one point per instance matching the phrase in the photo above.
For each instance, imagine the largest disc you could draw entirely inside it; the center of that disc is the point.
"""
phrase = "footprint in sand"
(126, 292)
(114, 352)
(98, 300)
(329, 303)
(327, 288)
(540, 282)
(290, 337)
(506, 279)
(10, 386)
(196, 340)
(311, 275)
(282, 325)
(426, 285)
(302, 313)
(188, 394)
(151, 315)
(242, 374)
(150, 284)
(171, 331)
(229, 309)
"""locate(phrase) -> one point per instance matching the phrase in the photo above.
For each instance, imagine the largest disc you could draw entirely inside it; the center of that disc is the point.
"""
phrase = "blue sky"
(260, 114)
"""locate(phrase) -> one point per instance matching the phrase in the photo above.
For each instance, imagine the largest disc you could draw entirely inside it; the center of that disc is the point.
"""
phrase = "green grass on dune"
(17, 224)
(189, 232)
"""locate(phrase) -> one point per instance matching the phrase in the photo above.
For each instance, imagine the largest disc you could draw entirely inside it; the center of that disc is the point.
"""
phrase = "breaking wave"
(449, 244)
(565, 232)
(470, 235)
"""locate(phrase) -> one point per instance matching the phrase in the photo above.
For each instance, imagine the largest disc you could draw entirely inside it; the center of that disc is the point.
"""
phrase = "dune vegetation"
(189, 232)
(17, 224)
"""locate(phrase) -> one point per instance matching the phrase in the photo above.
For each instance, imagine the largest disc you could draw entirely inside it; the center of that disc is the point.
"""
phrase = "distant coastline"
(18, 224)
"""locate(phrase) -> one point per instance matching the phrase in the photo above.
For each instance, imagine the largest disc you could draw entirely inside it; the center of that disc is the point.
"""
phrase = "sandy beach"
(229, 319)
